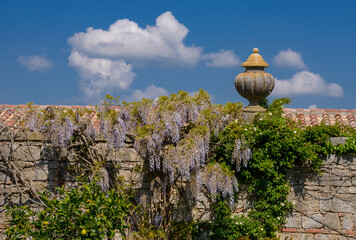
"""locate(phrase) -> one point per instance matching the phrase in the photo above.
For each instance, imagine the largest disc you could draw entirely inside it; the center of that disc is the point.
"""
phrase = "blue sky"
(74, 52)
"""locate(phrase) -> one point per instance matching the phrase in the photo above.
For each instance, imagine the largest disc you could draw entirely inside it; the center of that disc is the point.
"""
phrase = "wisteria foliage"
(171, 133)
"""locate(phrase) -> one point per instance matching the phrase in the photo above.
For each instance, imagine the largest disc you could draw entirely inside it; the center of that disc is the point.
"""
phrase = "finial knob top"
(255, 60)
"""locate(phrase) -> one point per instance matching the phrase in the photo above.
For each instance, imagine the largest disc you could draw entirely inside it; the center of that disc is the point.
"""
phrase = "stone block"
(130, 176)
(53, 164)
(4, 219)
(294, 221)
(48, 153)
(126, 174)
(344, 160)
(321, 180)
(331, 159)
(41, 170)
(325, 205)
(312, 194)
(127, 165)
(4, 149)
(23, 164)
(312, 189)
(45, 185)
(332, 221)
(297, 191)
(243, 204)
(27, 153)
(352, 201)
(28, 173)
(325, 237)
(124, 155)
(302, 236)
(340, 181)
(338, 140)
(340, 170)
(313, 221)
(347, 222)
(344, 238)
(53, 174)
(327, 189)
(4, 176)
(309, 205)
(341, 203)
(343, 190)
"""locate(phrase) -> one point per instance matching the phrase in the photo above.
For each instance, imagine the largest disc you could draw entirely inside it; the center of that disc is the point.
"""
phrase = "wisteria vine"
(171, 134)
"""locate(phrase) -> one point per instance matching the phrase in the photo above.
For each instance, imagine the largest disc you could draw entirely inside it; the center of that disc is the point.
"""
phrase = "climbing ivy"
(278, 144)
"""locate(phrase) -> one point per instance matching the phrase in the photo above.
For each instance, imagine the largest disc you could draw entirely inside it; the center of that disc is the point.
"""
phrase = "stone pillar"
(254, 84)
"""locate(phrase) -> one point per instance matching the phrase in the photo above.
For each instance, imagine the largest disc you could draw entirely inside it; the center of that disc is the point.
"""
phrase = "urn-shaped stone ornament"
(254, 84)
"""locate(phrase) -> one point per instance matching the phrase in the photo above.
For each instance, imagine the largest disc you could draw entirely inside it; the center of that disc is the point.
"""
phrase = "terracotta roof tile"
(312, 117)
(12, 114)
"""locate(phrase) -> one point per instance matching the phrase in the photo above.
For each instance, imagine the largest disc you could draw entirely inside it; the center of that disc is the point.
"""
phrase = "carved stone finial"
(254, 84)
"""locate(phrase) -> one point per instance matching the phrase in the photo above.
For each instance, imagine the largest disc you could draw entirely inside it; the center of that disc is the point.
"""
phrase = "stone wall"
(324, 204)
(46, 168)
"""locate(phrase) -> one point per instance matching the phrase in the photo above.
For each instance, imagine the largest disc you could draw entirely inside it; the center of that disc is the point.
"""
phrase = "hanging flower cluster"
(114, 132)
(219, 180)
(241, 154)
(59, 124)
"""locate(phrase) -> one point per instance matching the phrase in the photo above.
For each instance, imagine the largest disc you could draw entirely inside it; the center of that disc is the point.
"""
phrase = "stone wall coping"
(39, 137)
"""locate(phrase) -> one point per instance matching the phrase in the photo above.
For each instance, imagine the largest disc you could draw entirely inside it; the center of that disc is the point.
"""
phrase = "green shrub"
(277, 144)
(85, 212)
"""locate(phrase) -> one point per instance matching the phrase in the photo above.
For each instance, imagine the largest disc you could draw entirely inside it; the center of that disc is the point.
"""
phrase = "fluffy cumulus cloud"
(100, 75)
(307, 83)
(101, 56)
(35, 63)
(289, 58)
(150, 92)
(125, 39)
(223, 58)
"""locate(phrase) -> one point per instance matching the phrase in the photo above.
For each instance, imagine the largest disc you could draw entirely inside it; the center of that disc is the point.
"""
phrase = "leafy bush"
(85, 212)
(225, 226)
(277, 145)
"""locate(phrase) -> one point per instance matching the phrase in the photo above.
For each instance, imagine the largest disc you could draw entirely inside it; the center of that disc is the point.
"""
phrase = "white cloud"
(125, 39)
(35, 63)
(289, 58)
(101, 56)
(307, 83)
(313, 106)
(223, 58)
(150, 92)
(99, 75)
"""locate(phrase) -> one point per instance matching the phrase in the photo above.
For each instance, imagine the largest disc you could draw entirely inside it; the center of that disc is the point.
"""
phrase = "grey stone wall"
(324, 204)
(45, 168)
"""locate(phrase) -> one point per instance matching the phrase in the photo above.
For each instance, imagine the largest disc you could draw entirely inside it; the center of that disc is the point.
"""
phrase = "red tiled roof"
(9, 114)
(312, 117)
